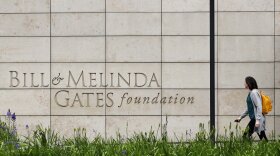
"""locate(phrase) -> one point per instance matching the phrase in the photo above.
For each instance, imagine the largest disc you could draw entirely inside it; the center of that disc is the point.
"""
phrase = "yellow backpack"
(266, 103)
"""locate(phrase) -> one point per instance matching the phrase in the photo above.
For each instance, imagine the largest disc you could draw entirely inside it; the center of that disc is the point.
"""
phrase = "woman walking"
(254, 110)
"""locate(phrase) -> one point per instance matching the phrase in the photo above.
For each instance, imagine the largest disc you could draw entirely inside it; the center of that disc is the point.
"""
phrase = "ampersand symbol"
(56, 80)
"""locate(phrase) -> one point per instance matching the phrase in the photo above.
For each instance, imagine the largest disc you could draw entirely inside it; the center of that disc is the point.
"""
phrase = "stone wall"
(57, 56)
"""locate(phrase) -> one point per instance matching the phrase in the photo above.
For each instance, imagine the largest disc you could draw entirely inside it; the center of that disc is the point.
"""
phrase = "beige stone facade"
(133, 65)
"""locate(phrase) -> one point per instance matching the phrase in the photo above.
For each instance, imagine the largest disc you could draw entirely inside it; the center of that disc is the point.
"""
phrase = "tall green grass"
(44, 141)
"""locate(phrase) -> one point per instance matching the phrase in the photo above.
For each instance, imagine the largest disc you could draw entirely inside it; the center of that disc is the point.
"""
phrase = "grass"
(44, 141)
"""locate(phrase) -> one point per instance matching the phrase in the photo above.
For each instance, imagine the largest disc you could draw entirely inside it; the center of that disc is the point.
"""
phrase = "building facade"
(135, 65)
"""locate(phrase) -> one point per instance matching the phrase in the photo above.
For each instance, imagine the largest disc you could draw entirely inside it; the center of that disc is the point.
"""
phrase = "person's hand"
(237, 120)
(257, 124)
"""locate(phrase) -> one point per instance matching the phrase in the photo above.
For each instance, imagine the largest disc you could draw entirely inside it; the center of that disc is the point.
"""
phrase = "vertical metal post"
(212, 69)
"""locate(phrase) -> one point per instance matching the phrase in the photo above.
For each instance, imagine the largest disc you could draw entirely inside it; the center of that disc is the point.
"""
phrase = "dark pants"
(250, 130)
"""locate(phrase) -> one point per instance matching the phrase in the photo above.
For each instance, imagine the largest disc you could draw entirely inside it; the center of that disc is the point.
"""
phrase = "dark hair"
(251, 82)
